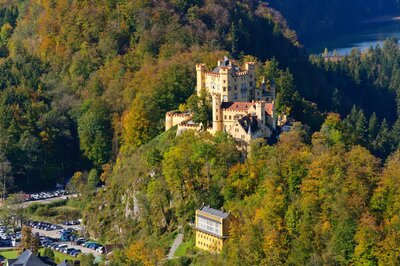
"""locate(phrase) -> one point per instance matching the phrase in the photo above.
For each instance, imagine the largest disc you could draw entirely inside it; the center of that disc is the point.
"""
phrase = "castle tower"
(200, 70)
(224, 77)
(216, 112)
(251, 68)
(260, 111)
(168, 121)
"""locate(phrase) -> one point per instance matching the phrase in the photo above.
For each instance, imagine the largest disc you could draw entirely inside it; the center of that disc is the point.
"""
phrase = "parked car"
(15, 242)
(68, 250)
(61, 246)
(80, 241)
(94, 246)
(6, 242)
(100, 249)
(76, 252)
(54, 245)
(65, 238)
(88, 243)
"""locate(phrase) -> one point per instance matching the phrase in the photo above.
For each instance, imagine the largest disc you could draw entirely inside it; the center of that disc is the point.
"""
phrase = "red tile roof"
(236, 106)
(244, 106)
(269, 108)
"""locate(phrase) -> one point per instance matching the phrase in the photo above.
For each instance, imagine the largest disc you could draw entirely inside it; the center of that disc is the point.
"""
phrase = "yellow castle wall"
(173, 120)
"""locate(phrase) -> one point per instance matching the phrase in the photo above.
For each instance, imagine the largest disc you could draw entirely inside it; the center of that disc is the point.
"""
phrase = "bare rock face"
(131, 205)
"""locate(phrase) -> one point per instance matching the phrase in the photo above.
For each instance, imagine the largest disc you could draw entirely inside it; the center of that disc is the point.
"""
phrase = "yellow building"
(239, 107)
(212, 228)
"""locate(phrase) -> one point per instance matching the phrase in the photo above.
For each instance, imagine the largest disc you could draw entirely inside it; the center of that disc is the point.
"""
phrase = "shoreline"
(381, 19)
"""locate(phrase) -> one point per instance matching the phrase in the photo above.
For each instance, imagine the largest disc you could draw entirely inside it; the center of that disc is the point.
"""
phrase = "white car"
(100, 250)
(15, 242)
(61, 246)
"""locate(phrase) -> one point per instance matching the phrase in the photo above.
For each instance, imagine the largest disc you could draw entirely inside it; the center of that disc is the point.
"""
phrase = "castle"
(239, 107)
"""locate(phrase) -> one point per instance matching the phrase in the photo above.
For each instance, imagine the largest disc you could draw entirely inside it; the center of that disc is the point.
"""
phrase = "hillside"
(84, 88)
(80, 79)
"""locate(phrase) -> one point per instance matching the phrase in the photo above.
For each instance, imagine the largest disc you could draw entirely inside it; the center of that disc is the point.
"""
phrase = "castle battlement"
(184, 124)
(212, 74)
(178, 114)
(240, 74)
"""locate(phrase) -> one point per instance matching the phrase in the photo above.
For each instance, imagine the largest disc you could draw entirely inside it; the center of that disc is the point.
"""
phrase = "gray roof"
(249, 123)
(227, 63)
(27, 258)
(232, 69)
(218, 213)
(64, 263)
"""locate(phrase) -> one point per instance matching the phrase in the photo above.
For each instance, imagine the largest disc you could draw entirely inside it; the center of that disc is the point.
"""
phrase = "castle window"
(216, 117)
(235, 87)
(235, 96)
(251, 75)
(224, 117)
(236, 130)
(224, 88)
(258, 93)
(224, 81)
(229, 88)
(251, 83)
(242, 136)
(230, 117)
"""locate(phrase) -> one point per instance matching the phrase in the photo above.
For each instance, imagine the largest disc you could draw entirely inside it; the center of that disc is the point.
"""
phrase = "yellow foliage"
(139, 253)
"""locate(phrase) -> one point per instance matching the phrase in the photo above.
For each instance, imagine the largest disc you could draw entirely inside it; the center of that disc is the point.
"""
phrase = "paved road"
(175, 245)
(45, 201)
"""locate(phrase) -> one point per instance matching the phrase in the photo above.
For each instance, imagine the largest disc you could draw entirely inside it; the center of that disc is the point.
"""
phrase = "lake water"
(363, 40)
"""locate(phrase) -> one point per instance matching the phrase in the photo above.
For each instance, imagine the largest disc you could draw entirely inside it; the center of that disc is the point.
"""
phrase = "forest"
(84, 88)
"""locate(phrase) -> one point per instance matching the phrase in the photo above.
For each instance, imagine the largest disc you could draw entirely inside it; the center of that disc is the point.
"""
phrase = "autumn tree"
(30, 241)
(77, 182)
(384, 205)
(200, 105)
(139, 253)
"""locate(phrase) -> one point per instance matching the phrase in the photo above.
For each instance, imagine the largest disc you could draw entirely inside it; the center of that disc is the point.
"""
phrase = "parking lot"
(64, 237)
(56, 236)
(45, 195)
